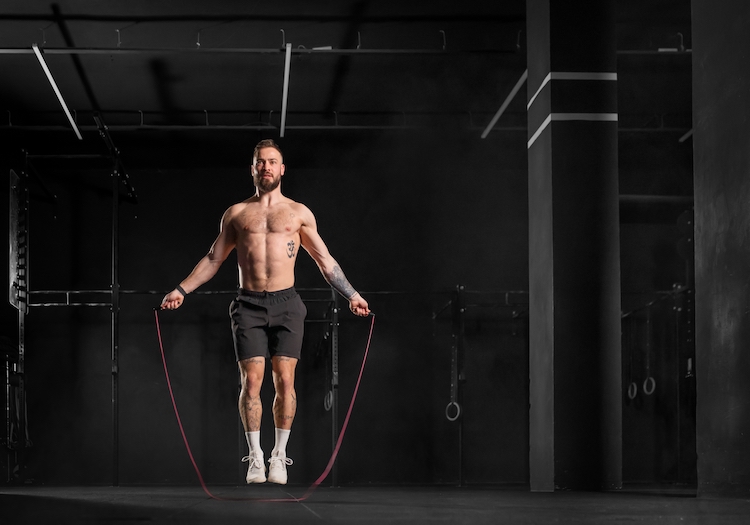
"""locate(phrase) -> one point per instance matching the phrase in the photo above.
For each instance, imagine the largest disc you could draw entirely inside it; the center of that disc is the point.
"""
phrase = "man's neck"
(270, 197)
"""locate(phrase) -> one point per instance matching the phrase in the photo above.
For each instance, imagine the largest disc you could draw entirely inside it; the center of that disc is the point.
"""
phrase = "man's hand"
(172, 300)
(359, 306)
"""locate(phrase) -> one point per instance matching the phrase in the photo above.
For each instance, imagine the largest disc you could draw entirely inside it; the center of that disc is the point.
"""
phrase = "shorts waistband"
(287, 292)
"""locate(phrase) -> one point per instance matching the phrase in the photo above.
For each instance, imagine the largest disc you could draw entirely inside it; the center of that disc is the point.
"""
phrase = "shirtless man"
(267, 316)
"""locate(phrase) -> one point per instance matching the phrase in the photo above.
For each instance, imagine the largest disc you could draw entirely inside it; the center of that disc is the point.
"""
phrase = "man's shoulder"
(238, 207)
(297, 205)
(303, 212)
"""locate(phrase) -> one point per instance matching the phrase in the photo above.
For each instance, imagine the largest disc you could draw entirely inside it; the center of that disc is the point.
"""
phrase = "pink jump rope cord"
(331, 461)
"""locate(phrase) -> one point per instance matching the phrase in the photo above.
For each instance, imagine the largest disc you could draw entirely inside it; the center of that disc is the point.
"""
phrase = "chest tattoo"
(290, 249)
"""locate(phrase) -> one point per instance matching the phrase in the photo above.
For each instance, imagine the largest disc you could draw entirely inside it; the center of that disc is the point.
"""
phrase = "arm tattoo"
(337, 279)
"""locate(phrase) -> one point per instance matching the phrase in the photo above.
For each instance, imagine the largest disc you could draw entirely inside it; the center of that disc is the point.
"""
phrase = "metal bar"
(315, 17)
(22, 276)
(59, 292)
(47, 305)
(8, 437)
(254, 51)
(14, 231)
(303, 127)
(285, 91)
(119, 169)
(21, 394)
(686, 136)
(242, 128)
(656, 199)
(334, 381)
(163, 292)
(459, 310)
(663, 52)
(75, 157)
(104, 133)
(52, 82)
(506, 103)
(115, 328)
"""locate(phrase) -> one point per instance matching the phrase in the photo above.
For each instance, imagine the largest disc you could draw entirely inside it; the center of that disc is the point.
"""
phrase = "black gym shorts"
(267, 324)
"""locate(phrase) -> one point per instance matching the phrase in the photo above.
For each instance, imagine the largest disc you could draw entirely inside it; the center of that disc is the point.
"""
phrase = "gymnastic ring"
(646, 390)
(450, 405)
(632, 390)
(328, 401)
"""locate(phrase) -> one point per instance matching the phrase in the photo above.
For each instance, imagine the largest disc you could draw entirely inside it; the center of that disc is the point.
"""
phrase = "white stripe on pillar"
(569, 75)
(594, 117)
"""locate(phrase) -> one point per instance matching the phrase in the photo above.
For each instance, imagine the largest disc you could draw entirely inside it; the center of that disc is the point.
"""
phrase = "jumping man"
(267, 316)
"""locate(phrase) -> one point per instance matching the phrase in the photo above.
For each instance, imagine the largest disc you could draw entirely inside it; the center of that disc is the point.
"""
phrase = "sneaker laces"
(255, 461)
(283, 459)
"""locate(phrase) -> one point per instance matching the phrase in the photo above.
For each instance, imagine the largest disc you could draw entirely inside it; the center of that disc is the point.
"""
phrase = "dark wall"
(721, 87)
(410, 213)
(658, 306)
(415, 212)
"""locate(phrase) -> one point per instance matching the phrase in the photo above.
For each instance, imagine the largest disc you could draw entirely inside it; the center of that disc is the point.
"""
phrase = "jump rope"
(331, 461)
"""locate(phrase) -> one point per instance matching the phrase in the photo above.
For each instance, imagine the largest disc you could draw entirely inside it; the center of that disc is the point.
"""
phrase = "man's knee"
(283, 374)
(251, 373)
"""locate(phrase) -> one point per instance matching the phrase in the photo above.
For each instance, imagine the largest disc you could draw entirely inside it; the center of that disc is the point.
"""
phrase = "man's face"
(267, 169)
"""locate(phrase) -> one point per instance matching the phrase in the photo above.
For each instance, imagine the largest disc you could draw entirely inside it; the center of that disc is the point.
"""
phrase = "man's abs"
(266, 261)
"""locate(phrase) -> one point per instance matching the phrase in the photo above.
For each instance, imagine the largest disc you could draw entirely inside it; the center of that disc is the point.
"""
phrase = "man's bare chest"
(257, 219)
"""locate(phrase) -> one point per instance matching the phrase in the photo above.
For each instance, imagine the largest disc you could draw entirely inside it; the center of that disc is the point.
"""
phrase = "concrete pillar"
(574, 271)
(721, 152)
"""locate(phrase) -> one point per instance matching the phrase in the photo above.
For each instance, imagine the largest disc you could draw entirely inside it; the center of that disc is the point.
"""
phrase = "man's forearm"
(336, 278)
(201, 274)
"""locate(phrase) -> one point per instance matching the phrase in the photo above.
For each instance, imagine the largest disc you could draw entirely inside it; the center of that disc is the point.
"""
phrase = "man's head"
(268, 166)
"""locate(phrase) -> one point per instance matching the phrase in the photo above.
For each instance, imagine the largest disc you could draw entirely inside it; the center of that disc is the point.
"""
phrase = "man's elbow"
(215, 257)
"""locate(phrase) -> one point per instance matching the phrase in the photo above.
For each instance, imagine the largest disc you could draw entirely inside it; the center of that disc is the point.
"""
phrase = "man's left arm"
(332, 272)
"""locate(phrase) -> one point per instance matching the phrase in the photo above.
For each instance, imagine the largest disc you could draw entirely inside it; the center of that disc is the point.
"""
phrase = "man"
(267, 316)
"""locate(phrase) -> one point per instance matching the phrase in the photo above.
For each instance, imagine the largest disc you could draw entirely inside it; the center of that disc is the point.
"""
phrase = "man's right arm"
(206, 267)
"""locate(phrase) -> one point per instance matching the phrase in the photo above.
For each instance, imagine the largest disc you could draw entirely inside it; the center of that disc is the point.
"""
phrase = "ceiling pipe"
(261, 127)
(298, 51)
(235, 50)
(356, 51)
(253, 127)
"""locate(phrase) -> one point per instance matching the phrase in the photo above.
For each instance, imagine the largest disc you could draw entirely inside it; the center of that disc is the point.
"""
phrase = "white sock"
(253, 441)
(282, 436)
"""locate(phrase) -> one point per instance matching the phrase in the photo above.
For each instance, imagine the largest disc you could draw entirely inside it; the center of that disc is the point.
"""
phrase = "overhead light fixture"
(52, 82)
(285, 93)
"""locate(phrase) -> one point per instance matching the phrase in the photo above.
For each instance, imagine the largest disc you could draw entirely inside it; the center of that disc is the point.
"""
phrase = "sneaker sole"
(256, 480)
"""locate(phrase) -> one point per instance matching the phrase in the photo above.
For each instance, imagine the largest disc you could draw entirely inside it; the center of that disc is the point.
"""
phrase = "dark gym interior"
(543, 201)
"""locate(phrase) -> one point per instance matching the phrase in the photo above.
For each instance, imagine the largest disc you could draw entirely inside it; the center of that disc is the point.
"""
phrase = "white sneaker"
(277, 468)
(256, 470)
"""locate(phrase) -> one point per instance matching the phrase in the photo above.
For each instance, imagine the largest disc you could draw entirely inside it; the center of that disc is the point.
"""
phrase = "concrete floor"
(360, 505)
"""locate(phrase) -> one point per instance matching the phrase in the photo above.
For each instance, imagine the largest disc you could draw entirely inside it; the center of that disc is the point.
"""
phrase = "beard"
(266, 185)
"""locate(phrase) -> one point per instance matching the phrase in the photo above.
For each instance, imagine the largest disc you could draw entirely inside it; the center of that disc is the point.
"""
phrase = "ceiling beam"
(220, 50)
(370, 19)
